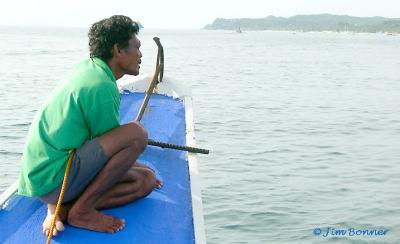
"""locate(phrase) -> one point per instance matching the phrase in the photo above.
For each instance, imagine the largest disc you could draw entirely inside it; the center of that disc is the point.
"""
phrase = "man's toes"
(59, 226)
(55, 232)
(119, 224)
(119, 221)
(115, 228)
(122, 223)
(159, 184)
(47, 232)
(112, 229)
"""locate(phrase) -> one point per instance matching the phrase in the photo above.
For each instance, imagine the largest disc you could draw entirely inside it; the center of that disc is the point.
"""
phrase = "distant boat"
(239, 30)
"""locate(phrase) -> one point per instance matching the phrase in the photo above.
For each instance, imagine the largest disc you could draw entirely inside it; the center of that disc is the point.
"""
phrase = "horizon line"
(187, 28)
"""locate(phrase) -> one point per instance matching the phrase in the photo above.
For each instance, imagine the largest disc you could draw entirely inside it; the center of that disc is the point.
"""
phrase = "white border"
(5, 196)
(197, 203)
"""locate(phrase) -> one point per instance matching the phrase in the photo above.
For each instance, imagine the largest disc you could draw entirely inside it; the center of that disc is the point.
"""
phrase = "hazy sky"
(179, 14)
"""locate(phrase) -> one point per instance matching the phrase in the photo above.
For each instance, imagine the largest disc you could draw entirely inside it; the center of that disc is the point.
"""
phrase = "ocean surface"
(304, 128)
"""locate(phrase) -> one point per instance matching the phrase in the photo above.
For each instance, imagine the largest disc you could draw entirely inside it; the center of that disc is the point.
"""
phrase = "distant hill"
(321, 22)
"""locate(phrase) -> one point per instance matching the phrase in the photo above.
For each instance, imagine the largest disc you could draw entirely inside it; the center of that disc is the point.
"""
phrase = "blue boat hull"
(165, 216)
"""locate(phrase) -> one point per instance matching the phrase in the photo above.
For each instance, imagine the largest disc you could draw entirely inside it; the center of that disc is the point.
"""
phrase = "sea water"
(303, 128)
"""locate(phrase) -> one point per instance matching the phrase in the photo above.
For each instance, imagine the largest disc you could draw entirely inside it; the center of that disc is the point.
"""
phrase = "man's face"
(130, 58)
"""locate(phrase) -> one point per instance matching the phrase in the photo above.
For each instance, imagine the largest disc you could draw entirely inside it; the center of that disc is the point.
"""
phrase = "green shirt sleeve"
(102, 118)
(101, 108)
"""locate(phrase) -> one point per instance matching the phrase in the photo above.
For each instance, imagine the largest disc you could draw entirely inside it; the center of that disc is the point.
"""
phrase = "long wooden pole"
(153, 82)
(158, 74)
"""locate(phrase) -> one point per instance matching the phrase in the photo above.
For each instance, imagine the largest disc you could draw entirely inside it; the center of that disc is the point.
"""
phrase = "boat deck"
(165, 216)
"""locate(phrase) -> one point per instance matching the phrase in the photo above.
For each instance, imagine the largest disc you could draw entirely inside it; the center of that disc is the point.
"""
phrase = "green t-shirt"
(83, 107)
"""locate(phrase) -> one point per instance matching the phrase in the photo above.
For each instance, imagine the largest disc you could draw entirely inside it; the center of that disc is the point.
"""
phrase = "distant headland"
(320, 22)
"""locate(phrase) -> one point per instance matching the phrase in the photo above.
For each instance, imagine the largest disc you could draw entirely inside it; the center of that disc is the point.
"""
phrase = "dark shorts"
(88, 160)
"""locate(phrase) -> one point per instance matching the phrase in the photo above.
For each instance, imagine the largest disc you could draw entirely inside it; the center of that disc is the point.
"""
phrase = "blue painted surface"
(165, 216)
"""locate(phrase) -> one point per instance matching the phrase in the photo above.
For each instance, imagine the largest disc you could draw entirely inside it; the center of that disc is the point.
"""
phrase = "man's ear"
(116, 50)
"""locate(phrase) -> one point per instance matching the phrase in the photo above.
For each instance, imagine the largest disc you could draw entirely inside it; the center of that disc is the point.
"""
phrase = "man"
(83, 114)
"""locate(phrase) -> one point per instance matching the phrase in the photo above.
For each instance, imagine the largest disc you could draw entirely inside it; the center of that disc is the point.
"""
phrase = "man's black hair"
(117, 29)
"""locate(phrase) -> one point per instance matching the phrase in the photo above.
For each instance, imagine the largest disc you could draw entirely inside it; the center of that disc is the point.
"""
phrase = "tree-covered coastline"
(321, 22)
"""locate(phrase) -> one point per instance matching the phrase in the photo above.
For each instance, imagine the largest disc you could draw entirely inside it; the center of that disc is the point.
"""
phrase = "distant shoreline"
(304, 32)
(307, 23)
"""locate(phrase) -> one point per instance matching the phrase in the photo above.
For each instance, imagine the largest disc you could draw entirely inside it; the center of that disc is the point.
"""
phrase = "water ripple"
(306, 134)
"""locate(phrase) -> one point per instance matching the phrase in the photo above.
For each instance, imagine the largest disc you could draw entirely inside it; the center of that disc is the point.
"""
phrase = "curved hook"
(160, 57)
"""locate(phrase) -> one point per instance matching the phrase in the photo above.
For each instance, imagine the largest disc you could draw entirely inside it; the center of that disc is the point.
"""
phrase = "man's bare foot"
(150, 176)
(140, 165)
(59, 222)
(94, 220)
(149, 173)
(158, 184)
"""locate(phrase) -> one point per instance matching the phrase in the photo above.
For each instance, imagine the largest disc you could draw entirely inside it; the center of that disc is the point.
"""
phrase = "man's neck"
(117, 72)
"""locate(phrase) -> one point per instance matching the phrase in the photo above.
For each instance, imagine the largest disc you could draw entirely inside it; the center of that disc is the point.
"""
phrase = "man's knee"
(138, 136)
